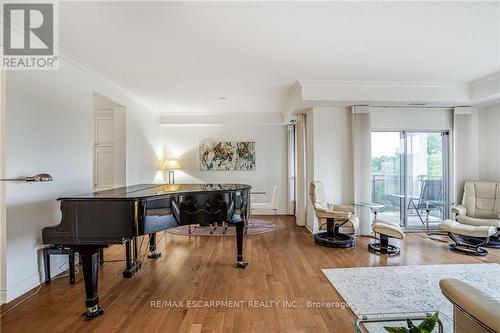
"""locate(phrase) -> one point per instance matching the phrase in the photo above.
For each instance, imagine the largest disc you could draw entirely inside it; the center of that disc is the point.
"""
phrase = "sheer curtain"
(291, 169)
(465, 149)
(300, 152)
(361, 148)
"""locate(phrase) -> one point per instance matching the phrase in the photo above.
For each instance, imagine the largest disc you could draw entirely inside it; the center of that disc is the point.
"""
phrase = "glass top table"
(374, 323)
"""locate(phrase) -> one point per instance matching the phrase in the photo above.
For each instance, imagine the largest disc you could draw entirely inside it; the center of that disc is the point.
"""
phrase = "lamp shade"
(170, 165)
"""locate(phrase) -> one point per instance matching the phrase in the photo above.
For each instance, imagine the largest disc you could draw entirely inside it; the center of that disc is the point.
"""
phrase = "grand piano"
(91, 222)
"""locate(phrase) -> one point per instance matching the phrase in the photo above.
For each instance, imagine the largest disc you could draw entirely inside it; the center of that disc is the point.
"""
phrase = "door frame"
(3, 217)
(446, 165)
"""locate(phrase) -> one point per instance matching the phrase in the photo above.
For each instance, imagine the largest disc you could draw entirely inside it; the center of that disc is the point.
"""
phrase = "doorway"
(410, 176)
(109, 144)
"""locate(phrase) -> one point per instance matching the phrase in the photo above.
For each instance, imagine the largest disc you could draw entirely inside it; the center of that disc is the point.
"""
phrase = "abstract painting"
(227, 156)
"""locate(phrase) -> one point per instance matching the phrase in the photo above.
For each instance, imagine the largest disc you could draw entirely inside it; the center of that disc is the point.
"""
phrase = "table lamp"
(171, 165)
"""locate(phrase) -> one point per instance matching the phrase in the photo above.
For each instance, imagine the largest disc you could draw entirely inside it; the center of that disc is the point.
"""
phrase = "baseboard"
(347, 230)
(279, 212)
(33, 281)
(22, 287)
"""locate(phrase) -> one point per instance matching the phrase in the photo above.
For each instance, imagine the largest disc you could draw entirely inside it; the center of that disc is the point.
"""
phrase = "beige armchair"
(477, 218)
(474, 311)
(331, 217)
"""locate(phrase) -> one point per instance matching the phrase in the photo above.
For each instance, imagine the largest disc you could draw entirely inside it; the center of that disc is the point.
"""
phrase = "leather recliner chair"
(473, 310)
(331, 217)
(480, 208)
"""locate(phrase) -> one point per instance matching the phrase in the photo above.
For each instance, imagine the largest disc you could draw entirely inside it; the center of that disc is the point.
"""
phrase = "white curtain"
(300, 167)
(361, 148)
(291, 169)
(465, 149)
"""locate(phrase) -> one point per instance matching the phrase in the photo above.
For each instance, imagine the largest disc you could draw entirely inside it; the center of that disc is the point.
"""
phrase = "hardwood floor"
(283, 265)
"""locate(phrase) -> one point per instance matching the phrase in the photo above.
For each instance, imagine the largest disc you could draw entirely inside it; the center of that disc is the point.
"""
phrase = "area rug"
(255, 227)
(409, 289)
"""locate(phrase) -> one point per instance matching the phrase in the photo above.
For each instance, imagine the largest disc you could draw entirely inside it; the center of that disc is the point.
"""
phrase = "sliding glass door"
(387, 174)
(410, 175)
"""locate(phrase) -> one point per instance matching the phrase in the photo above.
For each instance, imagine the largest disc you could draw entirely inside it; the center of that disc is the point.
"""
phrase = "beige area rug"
(255, 227)
(408, 289)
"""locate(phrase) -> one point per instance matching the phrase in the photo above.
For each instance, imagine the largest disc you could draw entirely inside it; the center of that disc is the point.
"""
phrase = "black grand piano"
(93, 221)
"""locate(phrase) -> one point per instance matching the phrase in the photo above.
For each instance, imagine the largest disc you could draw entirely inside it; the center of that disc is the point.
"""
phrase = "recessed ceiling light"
(417, 104)
(223, 98)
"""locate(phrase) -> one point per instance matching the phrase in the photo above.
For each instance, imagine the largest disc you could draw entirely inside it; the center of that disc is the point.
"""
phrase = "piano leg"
(132, 258)
(89, 257)
(239, 245)
(152, 247)
(71, 264)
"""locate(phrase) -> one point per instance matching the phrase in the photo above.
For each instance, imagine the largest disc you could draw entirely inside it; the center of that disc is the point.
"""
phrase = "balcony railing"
(388, 189)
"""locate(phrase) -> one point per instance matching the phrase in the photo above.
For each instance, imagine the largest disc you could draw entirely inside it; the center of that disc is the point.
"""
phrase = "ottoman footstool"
(482, 233)
(386, 229)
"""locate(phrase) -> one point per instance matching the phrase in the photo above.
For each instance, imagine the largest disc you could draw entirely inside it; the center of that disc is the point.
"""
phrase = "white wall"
(182, 143)
(311, 222)
(49, 129)
(329, 149)
(489, 143)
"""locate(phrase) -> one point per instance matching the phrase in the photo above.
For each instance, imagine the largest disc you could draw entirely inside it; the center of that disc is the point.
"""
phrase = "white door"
(103, 169)
(104, 131)
(104, 151)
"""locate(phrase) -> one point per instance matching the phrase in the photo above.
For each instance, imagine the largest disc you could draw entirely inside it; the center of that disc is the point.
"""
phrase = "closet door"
(103, 151)
(104, 131)
(103, 169)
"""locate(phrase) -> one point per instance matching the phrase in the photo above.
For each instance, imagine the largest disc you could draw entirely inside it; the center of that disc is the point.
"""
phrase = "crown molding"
(485, 91)
(218, 119)
(86, 68)
(307, 94)
(380, 83)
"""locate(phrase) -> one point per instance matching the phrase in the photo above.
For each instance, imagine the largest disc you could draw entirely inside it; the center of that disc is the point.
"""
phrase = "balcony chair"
(331, 217)
(477, 219)
(431, 191)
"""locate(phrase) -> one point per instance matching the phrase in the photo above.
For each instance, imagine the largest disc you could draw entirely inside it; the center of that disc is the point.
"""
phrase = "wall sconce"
(170, 165)
(41, 177)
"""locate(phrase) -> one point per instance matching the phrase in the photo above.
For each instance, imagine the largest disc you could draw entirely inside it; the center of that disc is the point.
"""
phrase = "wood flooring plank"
(284, 265)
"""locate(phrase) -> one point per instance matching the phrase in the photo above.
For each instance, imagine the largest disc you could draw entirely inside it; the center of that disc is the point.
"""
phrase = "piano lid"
(142, 191)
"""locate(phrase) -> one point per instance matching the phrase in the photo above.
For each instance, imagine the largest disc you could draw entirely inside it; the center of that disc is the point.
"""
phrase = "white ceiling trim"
(86, 68)
(212, 119)
(485, 91)
(319, 94)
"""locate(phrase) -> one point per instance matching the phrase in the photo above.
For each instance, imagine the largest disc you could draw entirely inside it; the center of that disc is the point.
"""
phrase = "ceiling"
(183, 57)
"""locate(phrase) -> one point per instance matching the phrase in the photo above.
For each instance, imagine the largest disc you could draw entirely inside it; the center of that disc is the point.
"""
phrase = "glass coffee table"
(374, 323)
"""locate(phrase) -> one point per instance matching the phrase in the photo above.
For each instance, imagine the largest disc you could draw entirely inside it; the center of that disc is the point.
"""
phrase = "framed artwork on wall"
(227, 156)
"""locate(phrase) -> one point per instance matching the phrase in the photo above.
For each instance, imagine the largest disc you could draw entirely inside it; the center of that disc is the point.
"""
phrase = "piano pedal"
(154, 255)
(212, 228)
(241, 265)
(93, 312)
(195, 226)
(224, 228)
(129, 272)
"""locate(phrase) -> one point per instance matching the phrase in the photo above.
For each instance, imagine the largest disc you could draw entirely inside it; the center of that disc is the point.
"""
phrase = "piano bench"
(61, 250)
